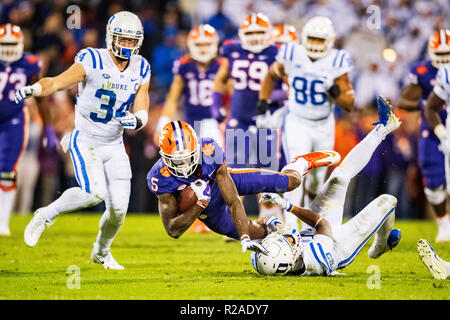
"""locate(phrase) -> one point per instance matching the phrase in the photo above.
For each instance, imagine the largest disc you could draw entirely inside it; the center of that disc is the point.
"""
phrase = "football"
(186, 199)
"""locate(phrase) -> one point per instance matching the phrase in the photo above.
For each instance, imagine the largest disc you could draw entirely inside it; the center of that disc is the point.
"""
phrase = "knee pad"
(8, 181)
(436, 196)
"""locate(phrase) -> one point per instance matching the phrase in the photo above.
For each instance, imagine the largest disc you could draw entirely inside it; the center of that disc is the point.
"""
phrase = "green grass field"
(196, 266)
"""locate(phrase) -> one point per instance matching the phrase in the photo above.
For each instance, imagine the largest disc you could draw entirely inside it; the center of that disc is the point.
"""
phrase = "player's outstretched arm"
(433, 106)
(48, 85)
(342, 92)
(410, 97)
(174, 224)
(276, 71)
(231, 197)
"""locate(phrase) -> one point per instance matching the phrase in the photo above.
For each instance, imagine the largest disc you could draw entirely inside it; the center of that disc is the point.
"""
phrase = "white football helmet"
(124, 25)
(11, 43)
(255, 33)
(203, 43)
(285, 248)
(321, 28)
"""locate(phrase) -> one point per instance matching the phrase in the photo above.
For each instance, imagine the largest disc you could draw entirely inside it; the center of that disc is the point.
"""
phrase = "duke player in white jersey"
(318, 79)
(334, 245)
(111, 82)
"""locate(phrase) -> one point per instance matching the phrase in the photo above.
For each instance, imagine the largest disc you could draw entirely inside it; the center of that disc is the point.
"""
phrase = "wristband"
(440, 131)
(36, 90)
(245, 236)
(142, 119)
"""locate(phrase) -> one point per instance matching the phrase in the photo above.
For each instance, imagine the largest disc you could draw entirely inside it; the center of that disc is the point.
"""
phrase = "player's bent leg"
(73, 199)
(439, 268)
(354, 234)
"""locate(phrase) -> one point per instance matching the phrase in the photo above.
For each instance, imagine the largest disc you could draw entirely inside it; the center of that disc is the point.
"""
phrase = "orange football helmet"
(284, 33)
(203, 43)
(179, 148)
(439, 48)
(11, 43)
(255, 32)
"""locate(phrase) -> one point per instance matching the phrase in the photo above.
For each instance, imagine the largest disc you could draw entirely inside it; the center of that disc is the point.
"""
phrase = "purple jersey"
(14, 76)
(247, 70)
(423, 74)
(198, 88)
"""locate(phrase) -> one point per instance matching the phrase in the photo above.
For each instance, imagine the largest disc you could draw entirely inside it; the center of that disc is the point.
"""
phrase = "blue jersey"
(423, 74)
(247, 70)
(160, 180)
(198, 88)
(14, 76)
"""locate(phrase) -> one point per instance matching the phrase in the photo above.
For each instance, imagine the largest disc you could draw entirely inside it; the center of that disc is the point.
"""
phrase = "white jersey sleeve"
(286, 55)
(342, 63)
(89, 59)
(319, 256)
(145, 71)
(442, 86)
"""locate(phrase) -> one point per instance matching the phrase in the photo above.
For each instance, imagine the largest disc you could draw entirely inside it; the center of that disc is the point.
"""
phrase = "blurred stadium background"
(382, 55)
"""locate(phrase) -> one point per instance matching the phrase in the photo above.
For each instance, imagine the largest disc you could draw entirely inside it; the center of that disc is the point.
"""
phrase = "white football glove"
(27, 92)
(444, 146)
(202, 190)
(248, 244)
(129, 121)
(276, 199)
(273, 224)
(271, 121)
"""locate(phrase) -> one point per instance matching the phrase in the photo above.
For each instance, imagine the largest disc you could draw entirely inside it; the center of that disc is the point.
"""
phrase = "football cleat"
(107, 261)
(434, 264)
(386, 117)
(318, 159)
(35, 228)
(393, 240)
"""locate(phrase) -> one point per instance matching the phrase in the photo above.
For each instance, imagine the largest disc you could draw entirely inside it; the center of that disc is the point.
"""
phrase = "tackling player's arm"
(410, 97)
(344, 95)
(321, 224)
(175, 224)
(276, 71)
(231, 197)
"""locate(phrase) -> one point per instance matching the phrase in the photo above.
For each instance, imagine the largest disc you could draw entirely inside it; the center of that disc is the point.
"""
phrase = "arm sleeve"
(442, 86)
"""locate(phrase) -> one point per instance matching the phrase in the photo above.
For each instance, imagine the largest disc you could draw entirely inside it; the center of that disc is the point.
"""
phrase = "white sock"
(7, 201)
(107, 233)
(443, 222)
(300, 165)
(72, 199)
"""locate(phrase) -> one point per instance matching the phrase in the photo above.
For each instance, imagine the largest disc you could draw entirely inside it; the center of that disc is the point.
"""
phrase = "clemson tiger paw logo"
(208, 149)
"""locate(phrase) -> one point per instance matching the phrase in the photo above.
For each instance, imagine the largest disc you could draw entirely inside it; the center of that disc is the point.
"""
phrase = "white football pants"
(301, 137)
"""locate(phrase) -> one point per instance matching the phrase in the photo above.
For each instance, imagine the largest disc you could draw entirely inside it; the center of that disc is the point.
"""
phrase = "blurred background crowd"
(384, 38)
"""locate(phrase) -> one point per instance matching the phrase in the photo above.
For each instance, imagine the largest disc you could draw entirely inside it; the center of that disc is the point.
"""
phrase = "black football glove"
(334, 91)
(262, 106)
